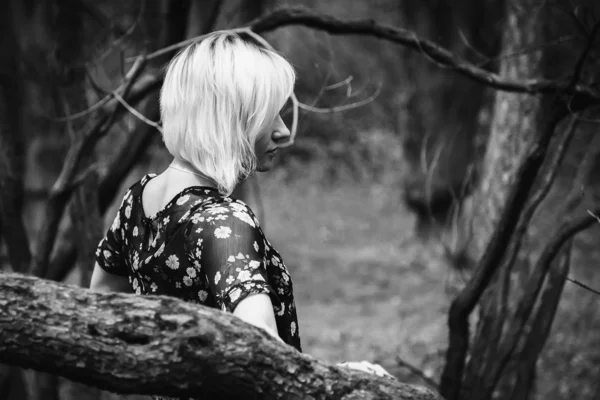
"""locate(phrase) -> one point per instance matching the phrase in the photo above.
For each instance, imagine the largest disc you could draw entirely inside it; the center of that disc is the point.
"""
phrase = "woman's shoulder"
(227, 208)
(223, 217)
(136, 188)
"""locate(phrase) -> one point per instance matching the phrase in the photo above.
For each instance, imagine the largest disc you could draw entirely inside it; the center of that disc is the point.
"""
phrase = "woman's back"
(199, 246)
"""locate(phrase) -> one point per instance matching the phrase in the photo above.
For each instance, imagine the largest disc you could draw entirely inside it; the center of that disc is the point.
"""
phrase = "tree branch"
(463, 305)
(59, 194)
(161, 345)
(583, 95)
(565, 232)
(533, 203)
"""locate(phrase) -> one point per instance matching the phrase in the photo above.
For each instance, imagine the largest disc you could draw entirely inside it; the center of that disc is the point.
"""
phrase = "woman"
(179, 233)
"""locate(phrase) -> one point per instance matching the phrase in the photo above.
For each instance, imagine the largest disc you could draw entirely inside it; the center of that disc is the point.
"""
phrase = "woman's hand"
(366, 366)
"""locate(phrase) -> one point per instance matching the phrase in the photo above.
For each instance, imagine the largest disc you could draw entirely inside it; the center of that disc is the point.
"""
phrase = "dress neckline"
(148, 177)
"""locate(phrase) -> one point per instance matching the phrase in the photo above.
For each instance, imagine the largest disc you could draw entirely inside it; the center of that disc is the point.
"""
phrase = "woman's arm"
(257, 310)
(102, 281)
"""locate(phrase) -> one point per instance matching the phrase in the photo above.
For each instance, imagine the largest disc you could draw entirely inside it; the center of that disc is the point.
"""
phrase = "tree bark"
(160, 345)
(517, 123)
(514, 124)
(12, 147)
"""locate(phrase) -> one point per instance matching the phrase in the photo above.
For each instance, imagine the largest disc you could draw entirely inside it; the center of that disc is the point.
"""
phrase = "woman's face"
(268, 142)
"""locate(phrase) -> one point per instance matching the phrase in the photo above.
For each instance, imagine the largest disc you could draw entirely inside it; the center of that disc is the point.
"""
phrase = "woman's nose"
(281, 133)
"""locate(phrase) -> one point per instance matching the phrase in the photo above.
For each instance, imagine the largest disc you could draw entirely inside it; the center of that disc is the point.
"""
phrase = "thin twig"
(583, 285)
(345, 107)
(137, 114)
(179, 45)
(134, 70)
(126, 34)
(417, 371)
(584, 55)
(59, 193)
(520, 52)
(594, 215)
(346, 81)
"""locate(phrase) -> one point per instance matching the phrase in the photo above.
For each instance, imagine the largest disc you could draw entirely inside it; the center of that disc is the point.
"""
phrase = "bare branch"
(125, 34)
(417, 371)
(344, 82)
(465, 302)
(542, 322)
(591, 39)
(127, 343)
(345, 107)
(60, 193)
(533, 203)
(564, 233)
(583, 285)
(137, 114)
(594, 215)
(521, 52)
(135, 69)
(586, 95)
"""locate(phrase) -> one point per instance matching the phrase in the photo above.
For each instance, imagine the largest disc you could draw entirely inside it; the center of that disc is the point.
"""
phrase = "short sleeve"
(109, 253)
(231, 251)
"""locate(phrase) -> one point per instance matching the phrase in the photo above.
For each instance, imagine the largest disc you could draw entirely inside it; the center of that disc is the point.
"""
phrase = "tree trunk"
(517, 122)
(159, 345)
(12, 148)
(513, 126)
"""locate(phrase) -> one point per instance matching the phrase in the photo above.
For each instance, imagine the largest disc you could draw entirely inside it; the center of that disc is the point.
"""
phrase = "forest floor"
(368, 289)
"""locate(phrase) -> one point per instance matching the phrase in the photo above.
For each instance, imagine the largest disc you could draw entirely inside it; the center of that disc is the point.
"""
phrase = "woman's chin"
(266, 163)
(264, 167)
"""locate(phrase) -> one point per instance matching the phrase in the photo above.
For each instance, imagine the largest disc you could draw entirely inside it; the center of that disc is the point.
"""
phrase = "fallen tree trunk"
(160, 345)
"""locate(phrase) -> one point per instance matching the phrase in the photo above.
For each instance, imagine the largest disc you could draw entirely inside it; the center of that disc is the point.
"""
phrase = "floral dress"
(202, 247)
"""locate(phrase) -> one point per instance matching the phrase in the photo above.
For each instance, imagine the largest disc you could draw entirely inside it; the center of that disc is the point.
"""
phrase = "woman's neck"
(188, 173)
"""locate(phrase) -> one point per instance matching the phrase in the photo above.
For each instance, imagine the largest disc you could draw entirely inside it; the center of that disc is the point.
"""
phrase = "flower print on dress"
(172, 262)
(244, 276)
(217, 210)
(160, 250)
(190, 263)
(183, 199)
(116, 225)
(202, 295)
(191, 272)
(197, 218)
(223, 232)
(184, 217)
(136, 261)
(235, 294)
(128, 212)
(244, 217)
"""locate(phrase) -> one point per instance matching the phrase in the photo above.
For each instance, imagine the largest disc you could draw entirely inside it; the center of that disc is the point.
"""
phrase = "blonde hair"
(217, 97)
